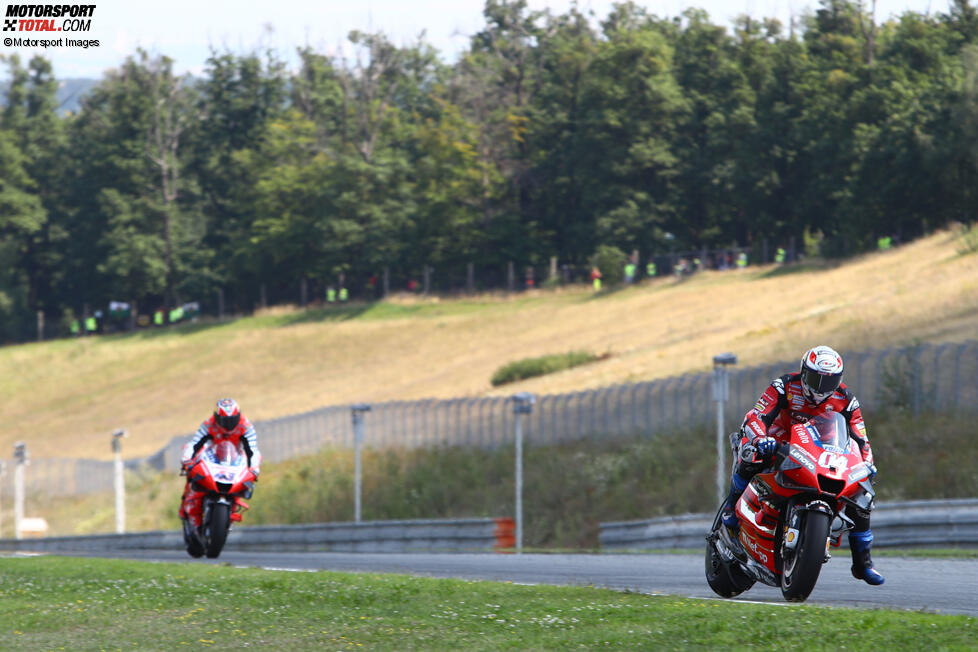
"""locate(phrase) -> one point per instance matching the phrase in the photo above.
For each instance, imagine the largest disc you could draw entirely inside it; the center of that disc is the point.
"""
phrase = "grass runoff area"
(53, 603)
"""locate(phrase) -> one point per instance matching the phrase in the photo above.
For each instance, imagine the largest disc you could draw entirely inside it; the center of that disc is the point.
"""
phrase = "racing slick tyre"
(801, 566)
(726, 580)
(216, 530)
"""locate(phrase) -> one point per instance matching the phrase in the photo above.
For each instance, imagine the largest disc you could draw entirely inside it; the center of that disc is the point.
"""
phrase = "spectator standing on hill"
(630, 272)
(596, 278)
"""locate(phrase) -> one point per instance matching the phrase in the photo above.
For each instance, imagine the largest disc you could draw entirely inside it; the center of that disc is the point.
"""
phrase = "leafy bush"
(611, 261)
(546, 364)
(968, 240)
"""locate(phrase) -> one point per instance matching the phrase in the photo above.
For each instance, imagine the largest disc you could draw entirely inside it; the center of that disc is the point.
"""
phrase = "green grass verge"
(52, 603)
(540, 366)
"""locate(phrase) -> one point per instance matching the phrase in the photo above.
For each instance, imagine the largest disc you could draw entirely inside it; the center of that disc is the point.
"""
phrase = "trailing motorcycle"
(221, 472)
(790, 515)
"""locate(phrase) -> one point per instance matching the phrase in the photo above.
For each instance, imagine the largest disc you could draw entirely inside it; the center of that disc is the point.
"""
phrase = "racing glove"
(765, 446)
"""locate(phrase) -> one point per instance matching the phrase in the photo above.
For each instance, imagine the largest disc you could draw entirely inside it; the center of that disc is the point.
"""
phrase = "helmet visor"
(820, 383)
(228, 422)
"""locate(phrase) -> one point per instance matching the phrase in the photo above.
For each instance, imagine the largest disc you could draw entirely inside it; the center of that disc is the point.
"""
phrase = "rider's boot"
(862, 564)
(727, 515)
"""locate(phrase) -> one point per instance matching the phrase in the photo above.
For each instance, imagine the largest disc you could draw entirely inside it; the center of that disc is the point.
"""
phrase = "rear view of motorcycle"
(220, 474)
(791, 515)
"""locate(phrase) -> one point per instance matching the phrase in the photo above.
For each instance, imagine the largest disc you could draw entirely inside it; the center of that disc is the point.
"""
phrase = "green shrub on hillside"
(968, 240)
(545, 364)
(611, 261)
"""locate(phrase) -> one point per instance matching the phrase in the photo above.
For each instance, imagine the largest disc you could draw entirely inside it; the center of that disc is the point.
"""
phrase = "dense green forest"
(550, 136)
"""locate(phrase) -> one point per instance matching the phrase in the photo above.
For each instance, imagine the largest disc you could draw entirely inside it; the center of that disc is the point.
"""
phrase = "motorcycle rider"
(227, 423)
(796, 398)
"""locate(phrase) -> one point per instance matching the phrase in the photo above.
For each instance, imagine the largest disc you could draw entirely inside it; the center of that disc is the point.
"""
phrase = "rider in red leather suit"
(227, 422)
(795, 398)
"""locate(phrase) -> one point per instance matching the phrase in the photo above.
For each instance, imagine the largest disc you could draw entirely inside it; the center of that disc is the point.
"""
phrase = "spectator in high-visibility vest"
(884, 243)
(75, 327)
(629, 272)
(650, 270)
(91, 324)
(344, 294)
(780, 255)
(158, 318)
(596, 278)
(331, 294)
(741, 260)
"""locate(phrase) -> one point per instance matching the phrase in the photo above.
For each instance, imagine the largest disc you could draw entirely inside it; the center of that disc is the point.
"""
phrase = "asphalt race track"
(948, 586)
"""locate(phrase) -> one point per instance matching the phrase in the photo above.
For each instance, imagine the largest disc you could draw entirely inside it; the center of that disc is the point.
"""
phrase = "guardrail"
(900, 524)
(443, 535)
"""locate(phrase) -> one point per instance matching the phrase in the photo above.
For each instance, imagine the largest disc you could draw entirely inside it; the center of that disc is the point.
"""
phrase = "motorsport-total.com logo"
(39, 21)
(48, 18)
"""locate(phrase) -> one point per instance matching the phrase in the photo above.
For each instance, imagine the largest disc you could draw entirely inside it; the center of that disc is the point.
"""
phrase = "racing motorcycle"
(791, 514)
(221, 471)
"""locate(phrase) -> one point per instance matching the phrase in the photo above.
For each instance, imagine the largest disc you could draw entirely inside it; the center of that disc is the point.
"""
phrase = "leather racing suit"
(243, 434)
(782, 405)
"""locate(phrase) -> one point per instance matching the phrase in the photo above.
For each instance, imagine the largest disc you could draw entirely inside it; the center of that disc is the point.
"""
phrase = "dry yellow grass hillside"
(65, 397)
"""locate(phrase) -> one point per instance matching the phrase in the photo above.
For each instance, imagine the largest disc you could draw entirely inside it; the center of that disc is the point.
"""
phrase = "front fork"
(794, 521)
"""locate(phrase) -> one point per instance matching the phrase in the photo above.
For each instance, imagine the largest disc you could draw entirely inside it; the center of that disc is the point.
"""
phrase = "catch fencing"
(917, 379)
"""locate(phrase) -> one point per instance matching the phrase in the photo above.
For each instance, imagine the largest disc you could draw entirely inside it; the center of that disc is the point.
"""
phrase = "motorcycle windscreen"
(226, 454)
(829, 431)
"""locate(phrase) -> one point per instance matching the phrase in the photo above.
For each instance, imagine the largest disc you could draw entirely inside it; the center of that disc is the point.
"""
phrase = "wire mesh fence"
(917, 379)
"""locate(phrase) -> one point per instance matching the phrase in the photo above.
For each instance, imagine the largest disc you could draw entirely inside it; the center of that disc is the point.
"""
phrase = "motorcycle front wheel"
(216, 530)
(801, 566)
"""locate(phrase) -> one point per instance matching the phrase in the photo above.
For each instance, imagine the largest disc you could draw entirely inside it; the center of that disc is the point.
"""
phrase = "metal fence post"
(3, 474)
(357, 412)
(522, 404)
(20, 460)
(915, 376)
(119, 481)
(721, 392)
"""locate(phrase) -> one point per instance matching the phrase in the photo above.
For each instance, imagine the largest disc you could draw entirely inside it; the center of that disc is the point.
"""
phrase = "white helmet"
(821, 373)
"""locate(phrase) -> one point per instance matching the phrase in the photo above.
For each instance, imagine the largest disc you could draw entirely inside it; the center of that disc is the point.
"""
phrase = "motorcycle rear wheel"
(726, 580)
(801, 567)
(194, 547)
(217, 529)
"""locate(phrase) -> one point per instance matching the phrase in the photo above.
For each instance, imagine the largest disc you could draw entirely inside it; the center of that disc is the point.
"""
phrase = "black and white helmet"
(821, 373)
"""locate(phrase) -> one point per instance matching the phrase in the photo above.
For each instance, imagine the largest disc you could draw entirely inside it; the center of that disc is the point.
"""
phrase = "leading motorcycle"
(222, 473)
(791, 514)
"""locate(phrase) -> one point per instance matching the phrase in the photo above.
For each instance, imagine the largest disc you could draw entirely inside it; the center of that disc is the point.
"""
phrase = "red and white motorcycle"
(791, 514)
(221, 472)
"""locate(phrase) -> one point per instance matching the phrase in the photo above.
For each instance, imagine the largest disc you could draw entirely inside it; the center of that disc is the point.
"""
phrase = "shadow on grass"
(309, 315)
(605, 292)
(801, 268)
(324, 314)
